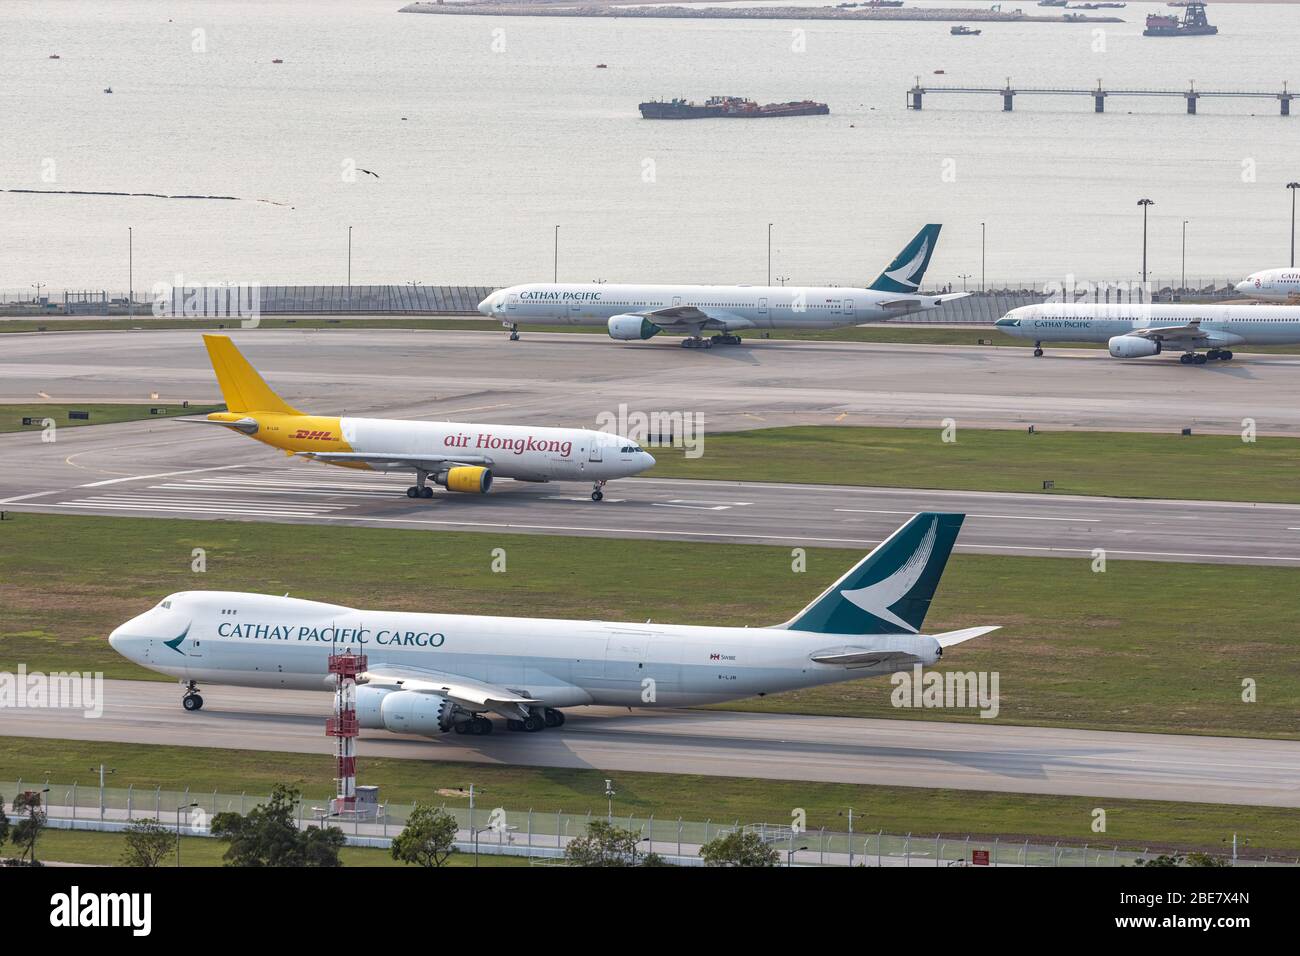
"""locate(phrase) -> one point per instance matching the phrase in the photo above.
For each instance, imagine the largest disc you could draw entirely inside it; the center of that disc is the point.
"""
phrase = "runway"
(769, 746)
(163, 468)
(549, 379)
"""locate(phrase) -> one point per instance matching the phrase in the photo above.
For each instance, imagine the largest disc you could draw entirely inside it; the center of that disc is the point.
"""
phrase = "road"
(769, 746)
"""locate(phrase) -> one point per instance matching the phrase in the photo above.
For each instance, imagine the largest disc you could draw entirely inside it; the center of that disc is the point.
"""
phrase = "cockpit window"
(167, 605)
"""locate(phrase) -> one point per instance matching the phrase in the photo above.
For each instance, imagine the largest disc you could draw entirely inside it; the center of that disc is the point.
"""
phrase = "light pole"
(187, 806)
(983, 246)
(349, 257)
(555, 275)
(789, 855)
(963, 276)
(1183, 281)
(769, 253)
(783, 279)
(609, 794)
(38, 286)
(102, 770)
(130, 279)
(1144, 203)
(1293, 187)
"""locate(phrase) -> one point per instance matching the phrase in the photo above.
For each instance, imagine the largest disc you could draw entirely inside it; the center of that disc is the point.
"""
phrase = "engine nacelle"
(404, 711)
(1133, 346)
(470, 479)
(631, 328)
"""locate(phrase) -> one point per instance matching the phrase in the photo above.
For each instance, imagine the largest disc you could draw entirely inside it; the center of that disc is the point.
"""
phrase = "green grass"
(105, 849)
(11, 416)
(1122, 464)
(922, 812)
(976, 335)
(1144, 646)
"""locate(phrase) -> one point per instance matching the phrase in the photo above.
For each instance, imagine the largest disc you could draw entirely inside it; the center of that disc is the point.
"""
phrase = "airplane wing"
(687, 318)
(394, 462)
(1174, 333)
(473, 695)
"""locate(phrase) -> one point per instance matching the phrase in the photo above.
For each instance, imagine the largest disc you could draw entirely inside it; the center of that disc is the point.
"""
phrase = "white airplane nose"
(117, 641)
(1243, 286)
(486, 305)
(647, 460)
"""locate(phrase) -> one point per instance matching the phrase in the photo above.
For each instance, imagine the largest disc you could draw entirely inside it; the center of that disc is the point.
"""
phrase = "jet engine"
(1133, 346)
(630, 328)
(470, 479)
(404, 711)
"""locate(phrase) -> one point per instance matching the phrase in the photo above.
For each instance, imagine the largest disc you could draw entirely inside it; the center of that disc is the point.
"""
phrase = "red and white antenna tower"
(344, 729)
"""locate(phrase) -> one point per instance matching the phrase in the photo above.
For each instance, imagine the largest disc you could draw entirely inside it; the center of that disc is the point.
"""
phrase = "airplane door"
(848, 306)
(512, 302)
(625, 656)
(677, 301)
(596, 450)
(575, 312)
(762, 306)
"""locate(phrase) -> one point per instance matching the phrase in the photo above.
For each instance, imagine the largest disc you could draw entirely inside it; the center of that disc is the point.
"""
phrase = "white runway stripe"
(190, 509)
(212, 502)
(235, 489)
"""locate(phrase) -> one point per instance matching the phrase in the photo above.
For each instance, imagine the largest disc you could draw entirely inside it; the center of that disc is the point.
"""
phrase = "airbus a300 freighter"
(456, 455)
(632, 313)
(1143, 329)
(433, 673)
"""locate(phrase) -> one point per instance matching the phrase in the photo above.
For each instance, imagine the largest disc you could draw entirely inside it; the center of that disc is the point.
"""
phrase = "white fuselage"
(735, 307)
(1272, 285)
(522, 452)
(257, 640)
(1223, 325)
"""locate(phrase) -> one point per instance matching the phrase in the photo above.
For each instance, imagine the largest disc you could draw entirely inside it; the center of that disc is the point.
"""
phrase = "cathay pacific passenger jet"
(635, 312)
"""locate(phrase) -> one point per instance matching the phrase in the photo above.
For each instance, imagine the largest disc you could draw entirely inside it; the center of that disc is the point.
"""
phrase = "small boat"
(940, 72)
(54, 56)
(108, 89)
(964, 31)
(277, 60)
(601, 66)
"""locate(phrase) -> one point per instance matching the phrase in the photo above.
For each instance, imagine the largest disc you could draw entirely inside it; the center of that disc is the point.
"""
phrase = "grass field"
(11, 416)
(1123, 464)
(922, 812)
(978, 335)
(1144, 646)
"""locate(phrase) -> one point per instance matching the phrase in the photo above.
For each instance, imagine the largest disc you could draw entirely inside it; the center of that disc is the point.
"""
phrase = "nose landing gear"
(596, 493)
(514, 333)
(1038, 350)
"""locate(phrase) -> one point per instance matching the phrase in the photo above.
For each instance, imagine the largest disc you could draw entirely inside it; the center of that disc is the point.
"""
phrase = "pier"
(1099, 94)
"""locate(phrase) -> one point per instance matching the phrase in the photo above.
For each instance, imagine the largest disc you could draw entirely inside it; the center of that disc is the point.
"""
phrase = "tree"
(738, 848)
(27, 830)
(148, 842)
(603, 845)
(428, 838)
(268, 836)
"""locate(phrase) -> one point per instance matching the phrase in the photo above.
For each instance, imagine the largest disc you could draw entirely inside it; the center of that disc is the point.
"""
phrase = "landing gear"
(726, 339)
(514, 333)
(537, 720)
(421, 488)
(1221, 354)
(596, 493)
(695, 342)
(1192, 358)
(1038, 350)
(553, 717)
(192, 700)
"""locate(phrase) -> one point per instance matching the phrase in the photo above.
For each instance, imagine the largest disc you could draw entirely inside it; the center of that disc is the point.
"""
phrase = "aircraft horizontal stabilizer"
(949, 638)
(853, 658)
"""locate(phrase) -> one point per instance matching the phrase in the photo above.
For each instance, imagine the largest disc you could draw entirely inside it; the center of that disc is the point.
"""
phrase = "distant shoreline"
(608, 8)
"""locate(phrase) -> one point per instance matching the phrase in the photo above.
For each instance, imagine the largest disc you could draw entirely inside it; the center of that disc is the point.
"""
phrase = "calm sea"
(486, 133)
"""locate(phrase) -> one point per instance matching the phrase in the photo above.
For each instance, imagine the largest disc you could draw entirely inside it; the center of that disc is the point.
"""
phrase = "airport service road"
(169, 469)
(770, 746)
(571, 378)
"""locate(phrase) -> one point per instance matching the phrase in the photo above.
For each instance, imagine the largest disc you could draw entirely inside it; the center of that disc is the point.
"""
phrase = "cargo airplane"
(634, 312)
(1272, 285)
(458, 456)
(1143, 329)
(432, 673)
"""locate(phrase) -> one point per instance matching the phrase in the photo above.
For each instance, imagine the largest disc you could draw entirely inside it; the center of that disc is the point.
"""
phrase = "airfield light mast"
(344, 728)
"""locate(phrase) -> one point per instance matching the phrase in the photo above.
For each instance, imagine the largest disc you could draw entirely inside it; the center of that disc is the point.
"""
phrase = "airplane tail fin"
(904, 274)
(243, 389)
(889, 591)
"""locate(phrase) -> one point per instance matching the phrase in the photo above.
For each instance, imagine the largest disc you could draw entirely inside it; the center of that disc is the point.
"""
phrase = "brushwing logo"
(878, 598)
(904, 275)
(175, 642)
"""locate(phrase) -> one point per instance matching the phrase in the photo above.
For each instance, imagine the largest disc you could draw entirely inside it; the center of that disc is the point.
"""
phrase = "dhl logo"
(313, 435)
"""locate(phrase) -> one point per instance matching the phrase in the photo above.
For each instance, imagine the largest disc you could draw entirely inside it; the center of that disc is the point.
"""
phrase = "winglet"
(243, 389)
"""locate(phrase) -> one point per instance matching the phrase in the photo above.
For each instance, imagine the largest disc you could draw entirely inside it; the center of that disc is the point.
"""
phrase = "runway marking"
(193, 509)
(280, 491)
(35, 494)
(868, 511)
(165, 474)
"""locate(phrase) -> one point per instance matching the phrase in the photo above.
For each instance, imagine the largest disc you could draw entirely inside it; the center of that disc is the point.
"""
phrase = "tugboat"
(1193, 24)
(728, 107)
(964, 31)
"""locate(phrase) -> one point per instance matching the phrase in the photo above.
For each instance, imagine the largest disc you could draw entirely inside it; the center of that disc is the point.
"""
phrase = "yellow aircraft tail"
(243, 389)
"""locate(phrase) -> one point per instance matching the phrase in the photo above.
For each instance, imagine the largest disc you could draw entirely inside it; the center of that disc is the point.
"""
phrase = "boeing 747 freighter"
(432, 673)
